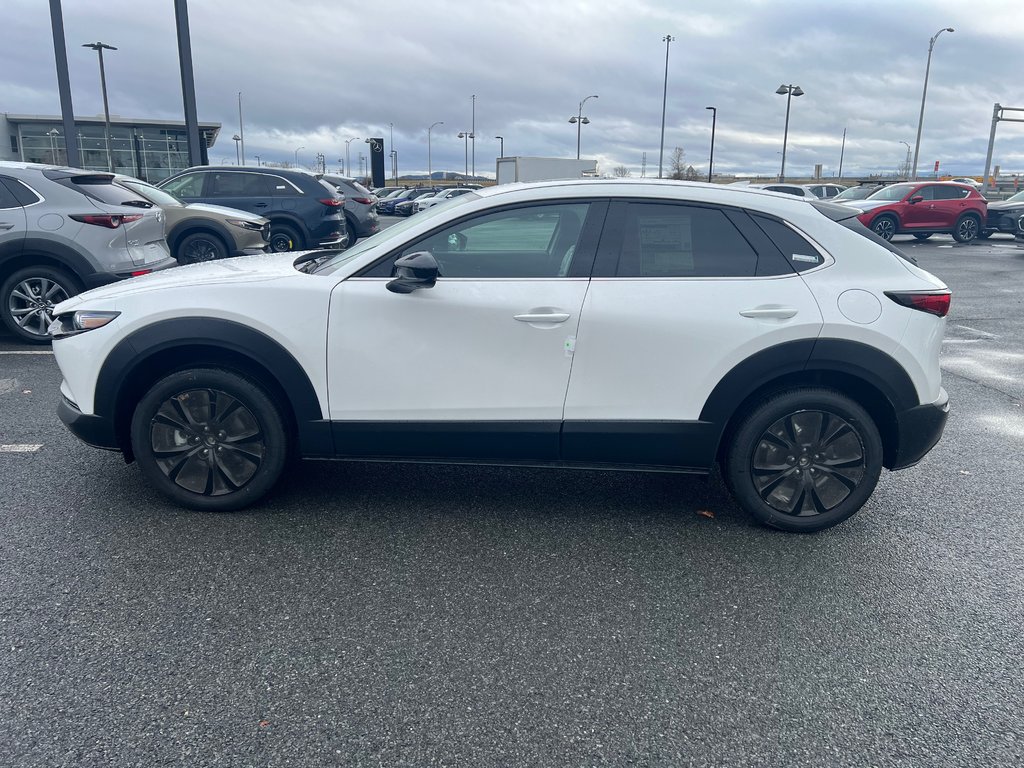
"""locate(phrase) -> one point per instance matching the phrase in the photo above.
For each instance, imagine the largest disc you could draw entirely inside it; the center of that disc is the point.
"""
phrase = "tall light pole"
(580, 121)
(667, 39)
(297, 156)
(842, 151)
(711, 160)
(236, 138)
(53, 133)
(790, 91)
(924, 93)
(501, 147)
(906, 163)
(466, 136)
(241, 129)
(430, 167)
(99, 48)
(472, 133)
(257, 160)
(348, 165)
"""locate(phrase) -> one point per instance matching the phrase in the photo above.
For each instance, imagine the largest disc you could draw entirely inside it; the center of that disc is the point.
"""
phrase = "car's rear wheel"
(200, 246)
(209, 438)
(351, 231)
(966, 229)
(885, 227)
(804, 459)
(922, 235)
(284, 238)
(27, 299)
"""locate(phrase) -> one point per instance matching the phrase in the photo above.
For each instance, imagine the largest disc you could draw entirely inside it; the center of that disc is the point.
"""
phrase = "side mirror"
(915, 199)
(417, 270)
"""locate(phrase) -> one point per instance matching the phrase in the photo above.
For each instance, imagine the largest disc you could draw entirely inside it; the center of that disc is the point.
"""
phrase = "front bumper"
(90, 429)
(919, 429)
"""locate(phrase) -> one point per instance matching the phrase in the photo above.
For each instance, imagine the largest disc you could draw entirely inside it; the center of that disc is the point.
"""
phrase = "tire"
(966, 229)
(351, 231)
(283, 238)
(27, 299)
(922, 235)
(209, 439)
(885, 226)
(200, 246)
(804, 459)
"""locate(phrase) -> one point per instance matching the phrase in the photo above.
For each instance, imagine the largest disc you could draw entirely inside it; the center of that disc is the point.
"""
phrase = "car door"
(236, 189)
(921, 214)
(681, 293)
(13, 226)
(950, 203)
(476, 366)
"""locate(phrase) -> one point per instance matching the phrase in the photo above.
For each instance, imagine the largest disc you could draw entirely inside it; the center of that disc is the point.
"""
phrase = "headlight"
(74, 323)
(253, 225)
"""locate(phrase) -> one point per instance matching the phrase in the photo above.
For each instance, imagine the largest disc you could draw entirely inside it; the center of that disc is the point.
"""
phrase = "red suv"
(923, 209)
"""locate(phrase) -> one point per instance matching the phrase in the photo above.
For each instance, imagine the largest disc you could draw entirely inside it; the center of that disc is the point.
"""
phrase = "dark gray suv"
(304, 211)
(63, 230)
(360, 206)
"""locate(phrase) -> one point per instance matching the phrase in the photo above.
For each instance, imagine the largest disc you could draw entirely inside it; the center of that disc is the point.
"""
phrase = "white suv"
(602, 324)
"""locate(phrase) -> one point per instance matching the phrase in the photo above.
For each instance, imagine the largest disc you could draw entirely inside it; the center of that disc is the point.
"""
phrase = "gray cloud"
(315, 73)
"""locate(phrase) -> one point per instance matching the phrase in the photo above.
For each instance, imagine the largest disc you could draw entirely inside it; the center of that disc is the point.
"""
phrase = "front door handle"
(5, 226)
(260, 205)
(543, 317)
(770, 311)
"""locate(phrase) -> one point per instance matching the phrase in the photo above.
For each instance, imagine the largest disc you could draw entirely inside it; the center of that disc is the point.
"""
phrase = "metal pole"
(67, 113)
(98, 47)
(472, 134)
(188, 82)
(924, 94)
(842, 152)
(430, 166)
(579, 126)
(785, 135)
(241, 129)
(996, 109)
(501, 146)
(711, 160)
(664, 101)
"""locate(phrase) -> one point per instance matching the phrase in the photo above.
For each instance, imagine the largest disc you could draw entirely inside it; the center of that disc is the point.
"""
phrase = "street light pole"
(472, 134)
(236, 138)
(430, 167)
(711, 160)
(257, 160)
(466, 136)
(297, 156)
(348, 165)
(501, 150)
(580, 120)
(790, 91)
(241, 128)
(667, 39)
(53, 133)
(924, 93)
(842, 151)
(906, 163)
(99, 47)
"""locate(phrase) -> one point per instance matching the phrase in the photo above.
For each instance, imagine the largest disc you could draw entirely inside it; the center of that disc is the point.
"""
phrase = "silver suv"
(65, 230)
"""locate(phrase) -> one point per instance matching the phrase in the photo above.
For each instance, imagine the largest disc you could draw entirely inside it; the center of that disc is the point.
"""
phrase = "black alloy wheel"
(199, 247)
(884, 227)
(27, 300)
(209, 438)
(804, 460)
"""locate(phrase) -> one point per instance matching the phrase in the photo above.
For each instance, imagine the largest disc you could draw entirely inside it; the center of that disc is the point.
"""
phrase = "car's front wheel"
(804, 459)
(200, 246)
(27, 299)
(966, 229)
(209, 438)
(283, 238)
(885, 227)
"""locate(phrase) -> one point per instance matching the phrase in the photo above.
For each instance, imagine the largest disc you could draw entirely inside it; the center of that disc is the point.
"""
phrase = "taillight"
(332, 202)
(933, 302)
(108, 220)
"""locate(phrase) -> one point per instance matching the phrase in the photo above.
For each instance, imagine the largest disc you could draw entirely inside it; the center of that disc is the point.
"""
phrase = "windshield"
(854, 193)
(151, 193)
(393, 232)
(1017, 198)
(894, 192)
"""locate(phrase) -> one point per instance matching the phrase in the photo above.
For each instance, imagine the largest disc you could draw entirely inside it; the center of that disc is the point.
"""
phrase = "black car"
(304, 211)
(407, 205)
(1004, 215)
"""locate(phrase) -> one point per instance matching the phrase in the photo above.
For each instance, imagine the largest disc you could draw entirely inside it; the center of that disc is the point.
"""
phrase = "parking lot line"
(26, 352)
(21, 448)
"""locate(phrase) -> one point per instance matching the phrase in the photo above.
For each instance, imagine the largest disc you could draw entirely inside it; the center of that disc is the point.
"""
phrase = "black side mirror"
(417, 270)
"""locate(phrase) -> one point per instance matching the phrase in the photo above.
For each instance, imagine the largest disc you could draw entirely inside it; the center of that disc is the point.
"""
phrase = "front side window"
(534, 241)
(925, 193)
(892, 193)
(669, 240)
(189, 185)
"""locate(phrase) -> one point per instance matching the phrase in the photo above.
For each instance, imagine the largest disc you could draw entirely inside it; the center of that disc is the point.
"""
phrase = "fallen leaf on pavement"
(706, 513)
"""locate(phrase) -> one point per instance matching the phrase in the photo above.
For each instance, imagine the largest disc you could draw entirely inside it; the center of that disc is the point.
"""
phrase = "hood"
(868, 205)
(1005, 205)
(234, 213)
(242, 269)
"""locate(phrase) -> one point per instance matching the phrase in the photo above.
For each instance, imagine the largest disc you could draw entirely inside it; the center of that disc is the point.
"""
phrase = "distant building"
(149, 149)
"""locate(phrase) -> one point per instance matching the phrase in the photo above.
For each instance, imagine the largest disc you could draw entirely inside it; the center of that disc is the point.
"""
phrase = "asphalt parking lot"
(415, 615)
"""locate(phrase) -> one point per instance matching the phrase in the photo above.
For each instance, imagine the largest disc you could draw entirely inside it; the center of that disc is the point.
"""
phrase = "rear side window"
(102, 189)
(7, 199)
(189, 185)
(280, 187)
(950, 193)
(22, 193)
(237, 185)
(800, 254)
(668, 240)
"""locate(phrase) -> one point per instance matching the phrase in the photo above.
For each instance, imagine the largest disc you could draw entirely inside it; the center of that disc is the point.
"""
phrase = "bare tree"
(620, 171)
(677, 164)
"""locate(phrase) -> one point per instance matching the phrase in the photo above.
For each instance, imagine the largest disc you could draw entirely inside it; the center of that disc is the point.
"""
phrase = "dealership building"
(148, 149)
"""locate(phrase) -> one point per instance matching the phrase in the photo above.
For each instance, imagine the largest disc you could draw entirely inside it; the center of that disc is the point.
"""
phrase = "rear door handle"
(545, 317)
(5, 226)
(260, 205)
(780, 313)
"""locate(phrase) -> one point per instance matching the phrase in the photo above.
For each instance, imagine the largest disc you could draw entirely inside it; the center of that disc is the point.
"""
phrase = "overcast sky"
(315, 72)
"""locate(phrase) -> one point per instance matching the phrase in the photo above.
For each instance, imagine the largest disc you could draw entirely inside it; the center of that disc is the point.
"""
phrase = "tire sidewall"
(252, 397)
(891, 220)
(283, 230)
(956, 229)
(744, 442)
(218, 246)
(70, 286)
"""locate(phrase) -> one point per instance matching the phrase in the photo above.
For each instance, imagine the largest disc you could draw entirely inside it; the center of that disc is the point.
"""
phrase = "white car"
(643, 325)
(445, 194)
